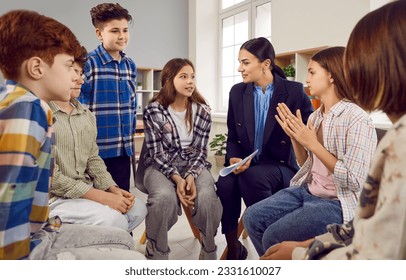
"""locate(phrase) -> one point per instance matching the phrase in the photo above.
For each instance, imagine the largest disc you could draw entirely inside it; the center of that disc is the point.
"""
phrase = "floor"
(182, 243)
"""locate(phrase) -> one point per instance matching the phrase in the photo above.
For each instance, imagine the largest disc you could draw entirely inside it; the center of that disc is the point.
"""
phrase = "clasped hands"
(294, 127)
(119, 199)
(186, 189)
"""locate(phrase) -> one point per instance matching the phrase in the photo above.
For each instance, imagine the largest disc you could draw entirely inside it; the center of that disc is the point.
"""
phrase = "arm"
(360, 144)
(97, 170)
(134, 98)
(201, 131)
(66, 187)
(305, 136)
(154, 127)
(233, 149)
(284, 250)
(284, 114)
(24, 176)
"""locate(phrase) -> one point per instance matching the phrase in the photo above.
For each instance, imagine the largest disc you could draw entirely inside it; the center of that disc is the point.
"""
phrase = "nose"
(81, 80)
(240, 69)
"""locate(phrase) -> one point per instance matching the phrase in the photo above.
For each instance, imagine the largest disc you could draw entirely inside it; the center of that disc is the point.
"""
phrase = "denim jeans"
(290, 214)
(84, 242)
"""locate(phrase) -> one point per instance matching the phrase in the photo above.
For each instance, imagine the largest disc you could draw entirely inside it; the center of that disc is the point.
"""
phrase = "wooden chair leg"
(143, 238)
(195, 230)
(244, 234)
(240, 230)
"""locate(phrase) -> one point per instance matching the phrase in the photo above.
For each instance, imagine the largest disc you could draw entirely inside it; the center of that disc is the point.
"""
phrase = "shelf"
(150, 80)
(299, 59)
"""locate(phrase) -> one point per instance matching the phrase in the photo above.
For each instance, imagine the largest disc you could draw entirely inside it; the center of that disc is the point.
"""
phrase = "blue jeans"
(290, 214)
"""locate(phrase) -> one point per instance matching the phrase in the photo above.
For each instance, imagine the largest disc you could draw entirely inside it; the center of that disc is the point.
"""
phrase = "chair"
(139, 184)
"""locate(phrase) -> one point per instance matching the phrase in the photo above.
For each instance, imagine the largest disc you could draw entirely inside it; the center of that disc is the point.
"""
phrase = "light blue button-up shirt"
(261, 107)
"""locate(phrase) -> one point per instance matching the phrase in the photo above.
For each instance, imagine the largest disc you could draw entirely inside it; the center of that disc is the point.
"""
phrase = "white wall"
(298, 24)
(159, 31)
(375, 4)
(203, 46)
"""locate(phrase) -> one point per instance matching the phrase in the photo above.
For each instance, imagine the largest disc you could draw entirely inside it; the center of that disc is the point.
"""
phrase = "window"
(238, 20)
(228, 3)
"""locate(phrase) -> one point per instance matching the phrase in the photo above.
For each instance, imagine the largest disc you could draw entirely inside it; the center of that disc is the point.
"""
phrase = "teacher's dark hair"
(262, 49)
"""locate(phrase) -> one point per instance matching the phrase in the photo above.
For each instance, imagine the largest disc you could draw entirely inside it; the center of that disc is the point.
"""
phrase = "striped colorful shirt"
(25, 173)
(109, 92)
(164, 144)
(349, 135)
(78, 166)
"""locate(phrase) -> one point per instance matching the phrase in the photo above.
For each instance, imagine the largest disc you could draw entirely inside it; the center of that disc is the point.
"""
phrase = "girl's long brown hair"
(167, 93)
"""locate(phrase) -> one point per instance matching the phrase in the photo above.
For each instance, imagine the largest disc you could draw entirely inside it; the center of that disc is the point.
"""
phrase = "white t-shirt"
(180, 122)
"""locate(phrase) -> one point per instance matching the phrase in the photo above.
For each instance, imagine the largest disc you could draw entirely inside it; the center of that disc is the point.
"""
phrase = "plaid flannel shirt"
(109, 92)
(163, 142)
(348, 134)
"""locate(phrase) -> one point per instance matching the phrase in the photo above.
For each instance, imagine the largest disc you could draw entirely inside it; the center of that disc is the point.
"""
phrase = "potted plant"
(218, 145)
(139, 86)
(289, 72)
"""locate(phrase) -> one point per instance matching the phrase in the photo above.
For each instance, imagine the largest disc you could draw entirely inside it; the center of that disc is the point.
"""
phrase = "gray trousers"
(164, 207)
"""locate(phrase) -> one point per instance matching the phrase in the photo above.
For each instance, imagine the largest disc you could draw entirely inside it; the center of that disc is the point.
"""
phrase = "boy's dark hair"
(105, 12)
(81, 57)
(25, 34)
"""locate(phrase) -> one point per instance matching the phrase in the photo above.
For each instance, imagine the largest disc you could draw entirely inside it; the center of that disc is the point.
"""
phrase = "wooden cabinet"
(148, 83)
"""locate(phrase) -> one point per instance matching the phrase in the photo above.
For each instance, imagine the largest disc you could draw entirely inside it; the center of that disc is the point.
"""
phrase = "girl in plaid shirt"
(334, 152)
(177, 125)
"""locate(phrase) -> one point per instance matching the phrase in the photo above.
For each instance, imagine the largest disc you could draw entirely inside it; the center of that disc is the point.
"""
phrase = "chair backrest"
(380, 133)
(139, 177)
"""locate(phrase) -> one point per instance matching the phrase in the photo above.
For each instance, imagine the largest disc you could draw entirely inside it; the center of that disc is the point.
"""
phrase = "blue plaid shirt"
(109, 92)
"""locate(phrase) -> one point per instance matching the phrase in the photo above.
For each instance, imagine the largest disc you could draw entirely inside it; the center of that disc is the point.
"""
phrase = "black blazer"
(277, 146)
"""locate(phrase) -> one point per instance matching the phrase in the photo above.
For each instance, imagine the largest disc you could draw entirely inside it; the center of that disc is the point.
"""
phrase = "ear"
(267, 63)
(99, 35)
(331, 78)
(35, 68)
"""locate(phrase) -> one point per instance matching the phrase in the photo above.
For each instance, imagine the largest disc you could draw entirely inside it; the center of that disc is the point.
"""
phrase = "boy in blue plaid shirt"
(109, 90)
